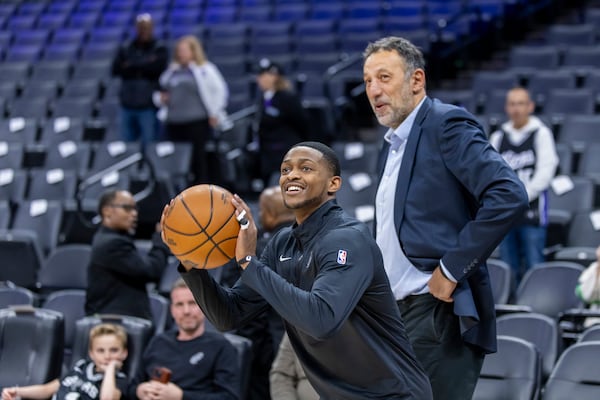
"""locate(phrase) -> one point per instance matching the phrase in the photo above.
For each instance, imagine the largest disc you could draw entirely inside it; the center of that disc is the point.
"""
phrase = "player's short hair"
(328, 154)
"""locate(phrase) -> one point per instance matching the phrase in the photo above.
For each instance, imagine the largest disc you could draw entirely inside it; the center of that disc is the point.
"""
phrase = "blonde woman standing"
(193, 100)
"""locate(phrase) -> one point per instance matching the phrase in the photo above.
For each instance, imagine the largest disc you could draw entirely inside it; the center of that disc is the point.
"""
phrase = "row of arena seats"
(556, 102)
(87, 158)
(60, 334)
(103, 13)
(532, 348)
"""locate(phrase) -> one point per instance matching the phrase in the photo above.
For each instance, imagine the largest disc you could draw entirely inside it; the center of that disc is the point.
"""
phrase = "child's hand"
(9, 393)
(115, 364)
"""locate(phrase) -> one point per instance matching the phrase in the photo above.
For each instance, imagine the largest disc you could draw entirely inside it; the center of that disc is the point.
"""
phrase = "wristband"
(244, 260)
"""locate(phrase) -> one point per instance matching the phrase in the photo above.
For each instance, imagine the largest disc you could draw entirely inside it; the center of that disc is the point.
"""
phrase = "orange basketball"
(200, 227)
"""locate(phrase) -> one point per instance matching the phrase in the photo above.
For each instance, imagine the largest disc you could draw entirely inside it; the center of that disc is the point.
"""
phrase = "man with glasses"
(118, 272)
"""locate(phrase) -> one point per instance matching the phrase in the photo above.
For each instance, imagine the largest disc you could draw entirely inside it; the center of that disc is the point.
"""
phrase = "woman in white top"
(193, 100)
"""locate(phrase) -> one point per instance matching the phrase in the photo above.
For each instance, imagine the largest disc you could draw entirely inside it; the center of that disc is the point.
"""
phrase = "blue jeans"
(138, 124)
(522, 248)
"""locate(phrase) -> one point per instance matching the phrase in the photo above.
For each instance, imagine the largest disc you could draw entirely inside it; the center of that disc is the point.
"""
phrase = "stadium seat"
(139, 331)
(61, 129)
(171, 158)
(28, 108)
(561, 208)
(50, 22)
(24, 53)
(73, 36)
(12, 295)
(108, 154)
(591, 334)
(168, 278)
(5, 214)
(580, 130)
(512, 373)
(535, 328)
(68, 155)
(47, 89)
(292, 12)
(313, 27)
(40, 216)
(22, 257)
(34, 355)
(548, 288)
(565, 36)
(562, 102)
(327, 11)
(159, 306)
(243, 346)
(541, 83)
(86, 90)
(220, 15)
(461, 98)
(501, 278)
(56, 184)
(65, 268)
(70, 303)
(582, 232)
(13, 184)
(257, 13)
(270, 46)
(73, 108)
(357, 196)
(527, 60)
(565, 157)
(317, 44)
(357, 156)
(11, 155)
(57, 71)
(581, 57)
(579, 254)
(495, 104)
(486, 81)
(31, 37)
(575, 375)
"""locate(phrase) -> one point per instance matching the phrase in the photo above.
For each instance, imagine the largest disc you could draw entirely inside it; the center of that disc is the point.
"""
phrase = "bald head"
(272, 210)
(144, 27)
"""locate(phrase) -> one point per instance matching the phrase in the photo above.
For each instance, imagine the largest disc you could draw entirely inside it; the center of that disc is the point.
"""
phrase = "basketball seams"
(210, 238)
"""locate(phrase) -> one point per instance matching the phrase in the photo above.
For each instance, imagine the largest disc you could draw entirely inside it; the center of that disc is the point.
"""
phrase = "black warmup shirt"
(326, 279)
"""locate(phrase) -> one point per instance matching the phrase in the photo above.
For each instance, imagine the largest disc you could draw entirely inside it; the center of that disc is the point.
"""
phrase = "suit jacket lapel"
(408, 160)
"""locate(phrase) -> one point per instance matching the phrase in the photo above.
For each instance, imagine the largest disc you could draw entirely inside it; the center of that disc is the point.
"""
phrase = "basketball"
(200, 227)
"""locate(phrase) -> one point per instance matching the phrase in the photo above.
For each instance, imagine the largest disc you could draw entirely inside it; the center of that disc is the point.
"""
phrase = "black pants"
(453, 366)
(197, 133)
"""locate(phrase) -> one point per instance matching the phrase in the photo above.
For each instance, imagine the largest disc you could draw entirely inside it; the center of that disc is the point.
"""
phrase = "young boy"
(99, 378)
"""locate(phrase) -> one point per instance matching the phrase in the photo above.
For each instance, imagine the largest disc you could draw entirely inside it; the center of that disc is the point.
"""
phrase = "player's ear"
(334, 184)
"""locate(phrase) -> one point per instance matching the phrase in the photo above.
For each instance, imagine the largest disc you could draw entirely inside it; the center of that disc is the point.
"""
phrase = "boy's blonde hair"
(108, 329)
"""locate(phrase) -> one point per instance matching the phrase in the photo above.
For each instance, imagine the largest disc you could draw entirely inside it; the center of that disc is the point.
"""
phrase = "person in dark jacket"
(202, 364)
(139, 65)
(118, 272)
(282, 121)
(324, 275)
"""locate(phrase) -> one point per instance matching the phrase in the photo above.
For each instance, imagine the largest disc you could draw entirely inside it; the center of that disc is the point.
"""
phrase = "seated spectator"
(288, 380)
(118, 272)
(100, 378)
(588, 288)
(197, 364)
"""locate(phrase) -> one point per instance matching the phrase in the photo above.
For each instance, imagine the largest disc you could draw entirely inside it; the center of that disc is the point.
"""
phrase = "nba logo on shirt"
(342, 257)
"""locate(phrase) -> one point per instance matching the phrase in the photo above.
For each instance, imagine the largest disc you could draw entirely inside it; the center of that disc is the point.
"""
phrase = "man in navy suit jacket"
(445, 200)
